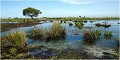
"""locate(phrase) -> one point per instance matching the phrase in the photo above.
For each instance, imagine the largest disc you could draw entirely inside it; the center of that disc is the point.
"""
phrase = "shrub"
(56, 32)
(17, 39)
(91, 35)
(36, 34)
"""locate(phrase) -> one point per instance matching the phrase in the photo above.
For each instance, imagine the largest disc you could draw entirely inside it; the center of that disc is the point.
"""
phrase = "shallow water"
(75, 41)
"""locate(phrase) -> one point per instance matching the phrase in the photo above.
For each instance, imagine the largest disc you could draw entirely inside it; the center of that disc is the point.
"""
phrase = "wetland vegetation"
(17, 43)
(79, 37)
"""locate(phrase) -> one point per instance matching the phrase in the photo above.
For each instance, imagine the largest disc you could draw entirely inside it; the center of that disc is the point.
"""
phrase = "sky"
(61, 8)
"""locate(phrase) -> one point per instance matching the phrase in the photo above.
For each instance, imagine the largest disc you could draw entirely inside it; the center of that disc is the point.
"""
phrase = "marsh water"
(74, 37)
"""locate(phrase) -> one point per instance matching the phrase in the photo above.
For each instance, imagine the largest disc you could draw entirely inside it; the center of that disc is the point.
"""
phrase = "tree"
(31, 12)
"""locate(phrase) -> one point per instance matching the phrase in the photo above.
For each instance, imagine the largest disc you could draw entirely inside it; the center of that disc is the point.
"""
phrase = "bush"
(56, 32)
(17, 39)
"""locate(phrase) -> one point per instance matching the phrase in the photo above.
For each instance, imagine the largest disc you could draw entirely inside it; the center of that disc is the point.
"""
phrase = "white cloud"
(76, 1)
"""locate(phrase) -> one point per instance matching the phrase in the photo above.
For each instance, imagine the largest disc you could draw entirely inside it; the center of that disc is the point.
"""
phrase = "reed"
(108, 35)
(79, 25)
(92, 35)
(55, 32)
(37, 34)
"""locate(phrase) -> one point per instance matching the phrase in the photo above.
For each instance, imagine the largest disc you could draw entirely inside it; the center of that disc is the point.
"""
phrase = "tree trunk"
(32, 18)
(34, 21)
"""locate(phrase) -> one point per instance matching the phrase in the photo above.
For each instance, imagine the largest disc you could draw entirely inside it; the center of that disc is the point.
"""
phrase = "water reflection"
(74, 33)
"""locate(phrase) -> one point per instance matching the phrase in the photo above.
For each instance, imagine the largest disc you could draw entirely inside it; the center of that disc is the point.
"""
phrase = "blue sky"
(62, 8)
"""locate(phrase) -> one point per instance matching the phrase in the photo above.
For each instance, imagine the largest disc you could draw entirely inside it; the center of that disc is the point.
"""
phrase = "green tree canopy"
(31, 12)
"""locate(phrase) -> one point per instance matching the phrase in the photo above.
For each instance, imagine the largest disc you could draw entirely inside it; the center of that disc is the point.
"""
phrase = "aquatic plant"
(21, 55)
(107, 35)
(51, 20)
(55, 32)
(17, 39)
(79, 25)
(98, 24)
(37, 34)
(91, 21)
(91, 36)
(70, 24)
(104, 25)
(13, 51)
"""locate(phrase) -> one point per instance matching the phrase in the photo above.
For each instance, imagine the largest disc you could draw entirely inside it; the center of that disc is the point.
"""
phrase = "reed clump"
(107, 35)
(37, 34)
(17, 39)
(79, 25)
(55, 32)
(92, 35)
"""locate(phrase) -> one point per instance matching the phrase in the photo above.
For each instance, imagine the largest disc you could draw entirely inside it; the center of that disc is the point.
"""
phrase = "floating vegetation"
(51, 20)
(17, 39)
(85, 21)
(61, 21)
(13, 53)
(70, 24)
(104, 25)
(64, 21)
(56, 32)
(37, 34)
(91, 36)
(91, 21)
(107, 35)
(79, 25)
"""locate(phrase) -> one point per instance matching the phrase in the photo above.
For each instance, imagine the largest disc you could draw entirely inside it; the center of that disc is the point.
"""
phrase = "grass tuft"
(17, 39)
(79, 25)
(56, 32)
(91, 36)
(108, 35)
(37, 34)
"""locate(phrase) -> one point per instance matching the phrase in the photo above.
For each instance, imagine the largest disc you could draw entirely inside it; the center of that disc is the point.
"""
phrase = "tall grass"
(17, 39)
(56, 32)
(37, 34)
(91, 35)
